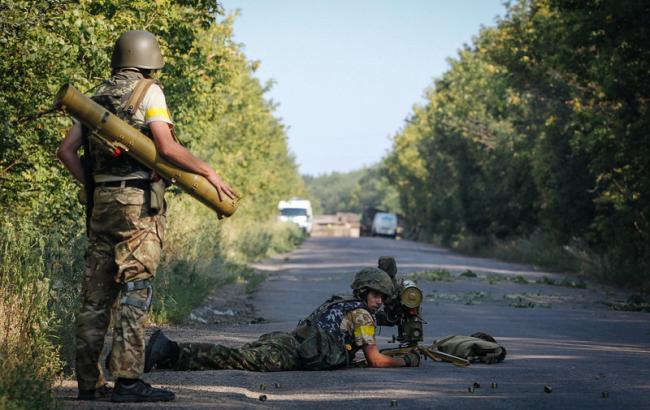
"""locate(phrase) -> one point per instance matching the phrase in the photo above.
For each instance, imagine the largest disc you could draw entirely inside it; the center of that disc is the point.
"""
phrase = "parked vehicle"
(297, 211)
(367, 218)
(384, 224)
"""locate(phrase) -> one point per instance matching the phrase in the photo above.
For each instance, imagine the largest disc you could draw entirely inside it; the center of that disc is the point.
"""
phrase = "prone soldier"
(327, 339)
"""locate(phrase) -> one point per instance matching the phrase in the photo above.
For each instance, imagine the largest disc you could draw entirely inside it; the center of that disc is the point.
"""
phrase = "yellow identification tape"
(153, 112)
(367, 330)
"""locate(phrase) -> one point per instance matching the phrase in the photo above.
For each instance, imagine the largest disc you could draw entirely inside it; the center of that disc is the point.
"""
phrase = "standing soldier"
(126, 220)
(327, 339)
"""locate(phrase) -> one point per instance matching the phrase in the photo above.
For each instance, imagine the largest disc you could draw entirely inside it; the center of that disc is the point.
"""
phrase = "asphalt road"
(557, 336)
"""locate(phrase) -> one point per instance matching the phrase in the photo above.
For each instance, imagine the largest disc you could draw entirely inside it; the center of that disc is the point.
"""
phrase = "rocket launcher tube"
(107, 125)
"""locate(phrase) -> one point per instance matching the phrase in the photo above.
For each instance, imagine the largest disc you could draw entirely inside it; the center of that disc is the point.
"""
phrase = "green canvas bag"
(479, 347)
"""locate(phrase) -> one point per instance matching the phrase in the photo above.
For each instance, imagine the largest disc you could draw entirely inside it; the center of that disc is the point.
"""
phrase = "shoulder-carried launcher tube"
(140, 147)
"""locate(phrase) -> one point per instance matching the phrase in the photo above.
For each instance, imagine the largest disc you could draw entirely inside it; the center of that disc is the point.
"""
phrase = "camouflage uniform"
(124, 247)
(349, 322)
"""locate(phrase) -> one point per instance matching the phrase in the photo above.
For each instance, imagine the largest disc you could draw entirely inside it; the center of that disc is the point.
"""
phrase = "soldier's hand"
(411, 359)
(221, 186)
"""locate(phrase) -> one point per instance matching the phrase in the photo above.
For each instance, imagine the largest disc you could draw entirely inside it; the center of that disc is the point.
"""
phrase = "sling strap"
(137, 95)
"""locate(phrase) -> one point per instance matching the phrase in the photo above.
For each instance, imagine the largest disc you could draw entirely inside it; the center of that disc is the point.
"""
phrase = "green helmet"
(374, 279)
(137, 48)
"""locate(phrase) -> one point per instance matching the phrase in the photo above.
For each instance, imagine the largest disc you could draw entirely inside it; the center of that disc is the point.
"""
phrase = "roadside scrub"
(34, 303)
(202, 253)
(40, 280)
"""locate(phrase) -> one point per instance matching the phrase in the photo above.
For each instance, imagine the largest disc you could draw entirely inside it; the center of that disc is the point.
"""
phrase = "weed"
(493, 279)
(520, 279)
(431, 275)
(519, 300)
(578, 284)
(468, 274)
(28, 358)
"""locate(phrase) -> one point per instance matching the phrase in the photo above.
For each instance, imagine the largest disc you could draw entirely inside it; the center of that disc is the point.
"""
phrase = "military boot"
(160, 352)
(102, 392)
(139, 391)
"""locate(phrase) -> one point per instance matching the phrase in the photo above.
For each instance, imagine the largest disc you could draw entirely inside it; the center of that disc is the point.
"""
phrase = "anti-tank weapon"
(118, 136)
(403, 309)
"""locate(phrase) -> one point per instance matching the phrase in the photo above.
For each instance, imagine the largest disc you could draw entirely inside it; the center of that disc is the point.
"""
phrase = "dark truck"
(372, 221)
(367, 217)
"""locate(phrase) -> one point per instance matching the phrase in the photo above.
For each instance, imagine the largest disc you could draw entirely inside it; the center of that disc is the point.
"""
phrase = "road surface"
(558, 333)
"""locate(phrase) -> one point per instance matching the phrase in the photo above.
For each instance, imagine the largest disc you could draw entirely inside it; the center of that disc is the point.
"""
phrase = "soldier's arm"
(67, 152)
(181, 156)
(376, 359)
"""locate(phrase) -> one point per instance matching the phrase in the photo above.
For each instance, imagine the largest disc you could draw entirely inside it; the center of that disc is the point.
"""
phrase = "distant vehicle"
(367, 218)
(384, 224)
(297, 211)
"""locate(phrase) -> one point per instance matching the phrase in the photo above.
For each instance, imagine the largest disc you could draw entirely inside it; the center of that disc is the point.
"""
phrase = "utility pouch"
(157, 197)
(319, 350)
(129, 297)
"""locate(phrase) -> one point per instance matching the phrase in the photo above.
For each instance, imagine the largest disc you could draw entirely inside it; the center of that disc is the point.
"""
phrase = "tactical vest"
(113, 94)
(329, 316)
(323, 345)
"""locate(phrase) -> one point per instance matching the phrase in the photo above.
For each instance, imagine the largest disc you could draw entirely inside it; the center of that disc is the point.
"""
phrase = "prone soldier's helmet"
(139, 49)
(373, 279)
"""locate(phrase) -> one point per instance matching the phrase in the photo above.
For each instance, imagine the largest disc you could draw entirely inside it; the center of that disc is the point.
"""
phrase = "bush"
(34, 293)
(254, 241)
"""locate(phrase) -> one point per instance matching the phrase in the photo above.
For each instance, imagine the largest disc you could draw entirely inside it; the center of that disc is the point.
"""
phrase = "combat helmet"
(137, 48)
(374, 279)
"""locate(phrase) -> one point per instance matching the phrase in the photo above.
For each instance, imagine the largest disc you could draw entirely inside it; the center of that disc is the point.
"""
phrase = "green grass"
(33, 289)
(569, 283)
(431, 275)
(254, 280)
(469, 274)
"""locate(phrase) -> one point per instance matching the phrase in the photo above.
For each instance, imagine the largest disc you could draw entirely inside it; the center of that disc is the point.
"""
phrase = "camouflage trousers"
(272, 352)
(124, 246)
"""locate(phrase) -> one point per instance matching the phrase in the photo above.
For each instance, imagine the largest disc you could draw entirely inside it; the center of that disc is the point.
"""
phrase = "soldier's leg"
(137, 258)
(98, 292)
(273, 352)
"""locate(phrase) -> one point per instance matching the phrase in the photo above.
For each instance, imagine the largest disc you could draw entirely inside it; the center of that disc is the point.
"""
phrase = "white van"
(384, 224)
(297, 211)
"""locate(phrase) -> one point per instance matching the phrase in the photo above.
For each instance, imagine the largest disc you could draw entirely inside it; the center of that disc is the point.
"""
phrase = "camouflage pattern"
(373, 278)
(360, 325)
(114, 94)
(272, 352)
(124, 246)
(330, 317)
(349, 320)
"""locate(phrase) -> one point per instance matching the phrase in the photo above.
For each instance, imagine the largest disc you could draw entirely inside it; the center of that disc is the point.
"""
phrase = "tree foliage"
(219, 111)
(540, 124)
(218, 106)
(352, 191)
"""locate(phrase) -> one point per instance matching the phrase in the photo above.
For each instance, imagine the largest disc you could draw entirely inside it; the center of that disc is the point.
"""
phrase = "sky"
(347, 73)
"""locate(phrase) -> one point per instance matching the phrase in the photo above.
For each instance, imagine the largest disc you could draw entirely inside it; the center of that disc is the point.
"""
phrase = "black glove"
(411, 359)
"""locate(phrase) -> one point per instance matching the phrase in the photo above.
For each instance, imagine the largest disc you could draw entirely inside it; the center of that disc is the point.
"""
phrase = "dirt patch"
(227, 305)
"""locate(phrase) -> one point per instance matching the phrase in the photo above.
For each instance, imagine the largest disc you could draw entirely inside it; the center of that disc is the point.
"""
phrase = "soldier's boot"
(102, 392)
(160, 352)
(139, 391)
